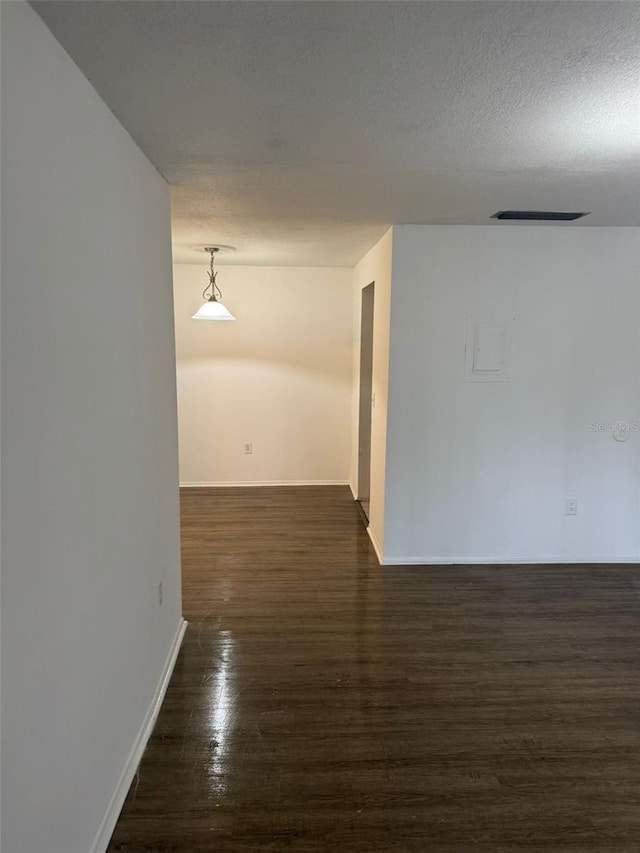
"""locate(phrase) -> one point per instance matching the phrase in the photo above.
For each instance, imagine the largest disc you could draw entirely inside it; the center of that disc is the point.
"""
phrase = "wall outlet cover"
(571, 506)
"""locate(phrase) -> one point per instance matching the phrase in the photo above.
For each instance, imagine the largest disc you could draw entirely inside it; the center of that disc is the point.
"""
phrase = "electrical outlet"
(160, 594)
(571, 506)
(248, 447)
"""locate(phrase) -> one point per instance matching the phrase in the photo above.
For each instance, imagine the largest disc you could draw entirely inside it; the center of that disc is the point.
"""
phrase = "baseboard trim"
(543, 560)
(258, 483)
(353, 491)
(114, 808)
(376, 545)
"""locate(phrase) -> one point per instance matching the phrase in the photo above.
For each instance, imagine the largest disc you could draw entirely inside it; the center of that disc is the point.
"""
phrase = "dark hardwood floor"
(321, 703)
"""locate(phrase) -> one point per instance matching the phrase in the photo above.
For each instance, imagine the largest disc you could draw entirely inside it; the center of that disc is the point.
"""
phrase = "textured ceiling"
(297, 131)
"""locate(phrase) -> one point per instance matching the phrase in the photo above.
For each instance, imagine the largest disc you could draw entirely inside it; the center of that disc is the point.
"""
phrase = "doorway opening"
(366, 398)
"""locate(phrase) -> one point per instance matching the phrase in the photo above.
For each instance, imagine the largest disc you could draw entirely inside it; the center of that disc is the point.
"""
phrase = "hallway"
(322, 703)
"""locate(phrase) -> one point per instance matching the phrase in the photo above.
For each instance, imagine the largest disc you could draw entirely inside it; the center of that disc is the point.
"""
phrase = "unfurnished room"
(320, 426)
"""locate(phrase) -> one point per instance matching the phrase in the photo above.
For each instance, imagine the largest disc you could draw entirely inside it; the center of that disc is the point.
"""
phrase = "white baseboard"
(376, 545)
(230, 484)
(541, 560)
(114, 808)
(353, 492)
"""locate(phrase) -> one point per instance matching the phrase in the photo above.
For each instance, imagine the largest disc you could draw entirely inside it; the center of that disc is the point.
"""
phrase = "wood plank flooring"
(321, 703)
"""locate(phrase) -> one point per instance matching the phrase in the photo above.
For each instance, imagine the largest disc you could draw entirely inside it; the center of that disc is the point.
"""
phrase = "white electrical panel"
(487, 351)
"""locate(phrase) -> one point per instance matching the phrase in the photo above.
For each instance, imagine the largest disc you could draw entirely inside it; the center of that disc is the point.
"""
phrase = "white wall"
(279, 377)
(89, 445)
(375, 266)
(480, 471)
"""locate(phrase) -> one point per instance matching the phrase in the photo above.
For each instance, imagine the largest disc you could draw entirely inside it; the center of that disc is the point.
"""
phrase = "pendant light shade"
(212, 308)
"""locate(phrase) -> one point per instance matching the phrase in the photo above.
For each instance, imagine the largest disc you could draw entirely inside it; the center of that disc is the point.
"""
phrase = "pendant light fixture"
(212, 309)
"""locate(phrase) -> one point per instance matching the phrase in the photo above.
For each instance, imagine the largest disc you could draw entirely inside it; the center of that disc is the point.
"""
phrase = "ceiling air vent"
(540, 215)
